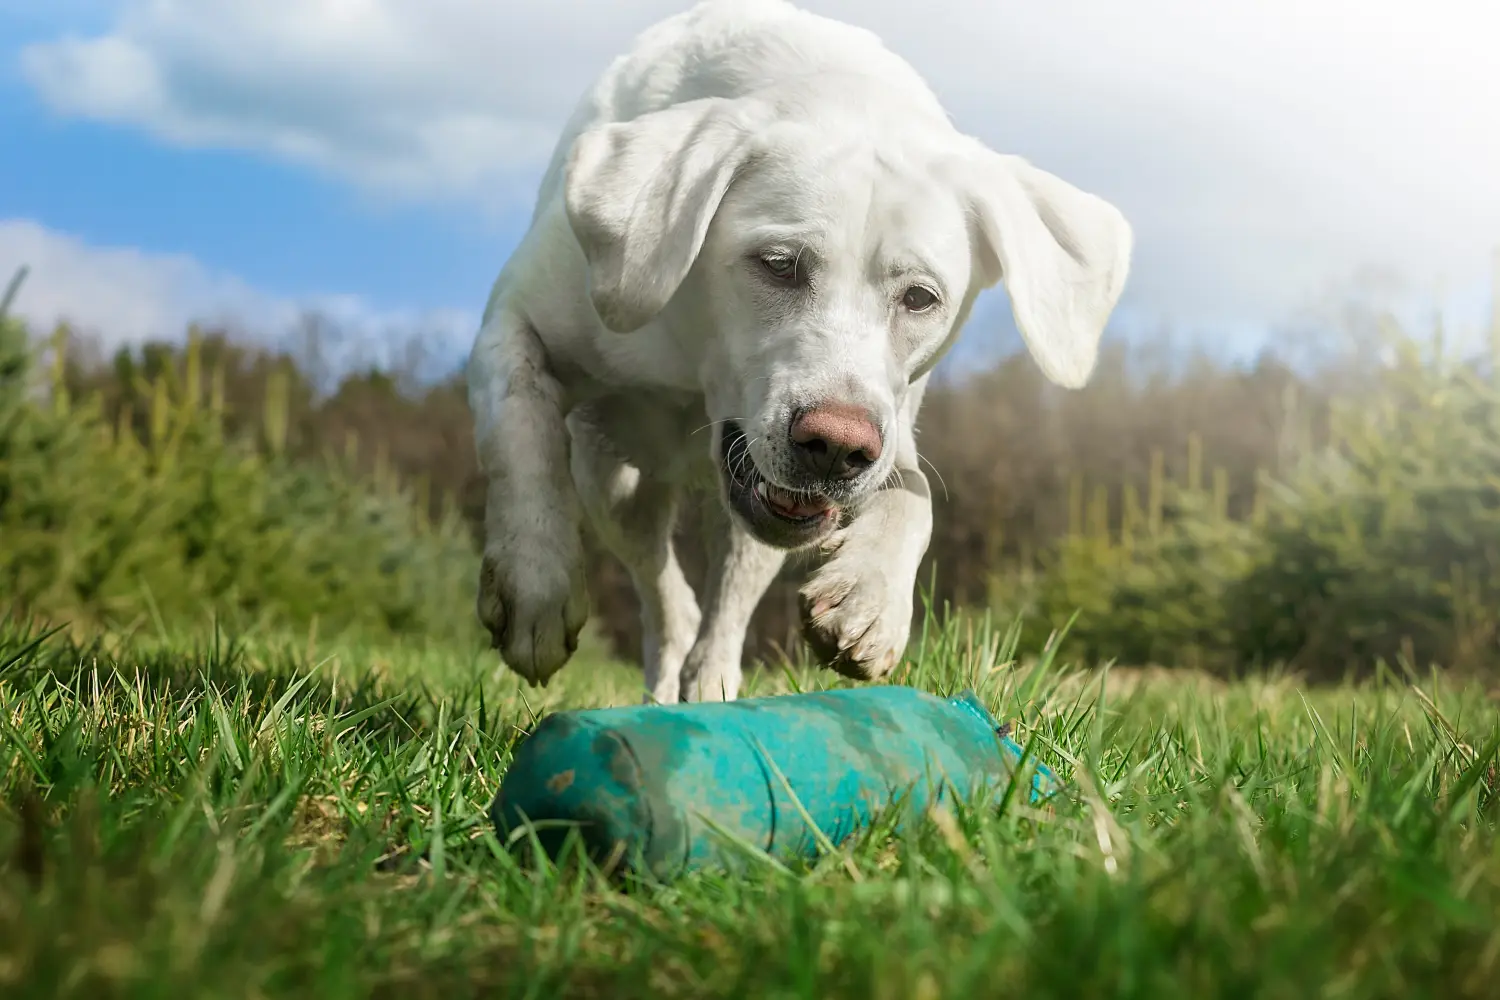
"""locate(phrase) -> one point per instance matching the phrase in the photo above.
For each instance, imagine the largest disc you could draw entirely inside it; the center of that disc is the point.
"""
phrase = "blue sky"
(375, 159)
(278, 226)
(295, 233)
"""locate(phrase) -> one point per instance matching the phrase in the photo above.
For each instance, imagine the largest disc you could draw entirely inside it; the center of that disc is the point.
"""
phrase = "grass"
(212, 818)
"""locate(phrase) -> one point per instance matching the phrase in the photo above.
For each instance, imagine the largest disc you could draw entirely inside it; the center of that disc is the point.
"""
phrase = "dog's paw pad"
(857, 627)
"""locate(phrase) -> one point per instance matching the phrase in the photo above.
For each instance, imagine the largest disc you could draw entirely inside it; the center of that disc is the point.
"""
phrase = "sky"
(247, 161)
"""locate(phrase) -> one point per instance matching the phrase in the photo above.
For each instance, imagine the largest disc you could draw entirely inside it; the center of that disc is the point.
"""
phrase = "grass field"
(208, 818)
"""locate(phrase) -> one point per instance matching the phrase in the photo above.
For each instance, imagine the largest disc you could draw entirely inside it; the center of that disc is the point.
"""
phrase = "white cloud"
(1260, 149)
(432, 97)
(123, 295)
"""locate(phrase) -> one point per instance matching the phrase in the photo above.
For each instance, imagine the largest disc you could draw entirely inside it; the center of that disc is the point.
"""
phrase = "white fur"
(637, 317)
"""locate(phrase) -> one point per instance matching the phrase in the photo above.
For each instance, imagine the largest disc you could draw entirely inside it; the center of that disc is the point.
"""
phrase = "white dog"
(758, 234)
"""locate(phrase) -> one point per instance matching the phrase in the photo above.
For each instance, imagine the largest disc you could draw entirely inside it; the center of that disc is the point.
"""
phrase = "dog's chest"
(661, 432)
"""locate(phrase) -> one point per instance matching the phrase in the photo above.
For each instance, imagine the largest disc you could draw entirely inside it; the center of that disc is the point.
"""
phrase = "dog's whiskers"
(744, 464)
(714, 423)
(738, 461)
(921, 458)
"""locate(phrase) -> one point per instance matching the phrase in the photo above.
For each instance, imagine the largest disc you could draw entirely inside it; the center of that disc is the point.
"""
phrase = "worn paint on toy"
(657, 786)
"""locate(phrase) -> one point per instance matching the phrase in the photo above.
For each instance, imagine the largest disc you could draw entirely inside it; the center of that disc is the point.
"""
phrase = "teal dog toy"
(656, 788)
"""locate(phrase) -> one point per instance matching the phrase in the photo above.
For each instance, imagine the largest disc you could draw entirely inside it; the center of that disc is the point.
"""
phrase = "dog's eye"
(918, 299)
(780, 266)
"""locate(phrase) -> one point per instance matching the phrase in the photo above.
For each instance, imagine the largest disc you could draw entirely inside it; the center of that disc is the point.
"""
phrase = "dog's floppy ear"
(640, 196)
(1062, 253)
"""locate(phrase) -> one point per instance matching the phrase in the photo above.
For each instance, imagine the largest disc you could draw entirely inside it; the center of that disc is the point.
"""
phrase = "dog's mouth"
(777, 516)
(791, 507)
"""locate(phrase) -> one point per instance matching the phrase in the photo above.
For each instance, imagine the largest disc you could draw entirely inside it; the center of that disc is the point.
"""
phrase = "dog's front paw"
(710, 675)
(856, 617)
(534, 609)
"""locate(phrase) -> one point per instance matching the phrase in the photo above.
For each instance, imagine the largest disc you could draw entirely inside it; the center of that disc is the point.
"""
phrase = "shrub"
(104, 523)
(1382, 544)
(1155, 593)
(1386, 544)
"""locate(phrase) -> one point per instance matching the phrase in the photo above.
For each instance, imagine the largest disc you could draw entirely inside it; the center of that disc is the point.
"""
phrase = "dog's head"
(821, 258)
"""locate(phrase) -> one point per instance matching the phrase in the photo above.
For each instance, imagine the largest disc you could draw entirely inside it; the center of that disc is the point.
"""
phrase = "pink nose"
(835, 440)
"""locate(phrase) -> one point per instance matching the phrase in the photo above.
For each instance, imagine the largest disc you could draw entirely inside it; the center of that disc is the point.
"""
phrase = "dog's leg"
(533, 596)
(634, 515)
(857, 606)
(740, 568)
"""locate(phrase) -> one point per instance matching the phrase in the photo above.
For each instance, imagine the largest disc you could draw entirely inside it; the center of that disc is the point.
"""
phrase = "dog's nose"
(835, 440)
